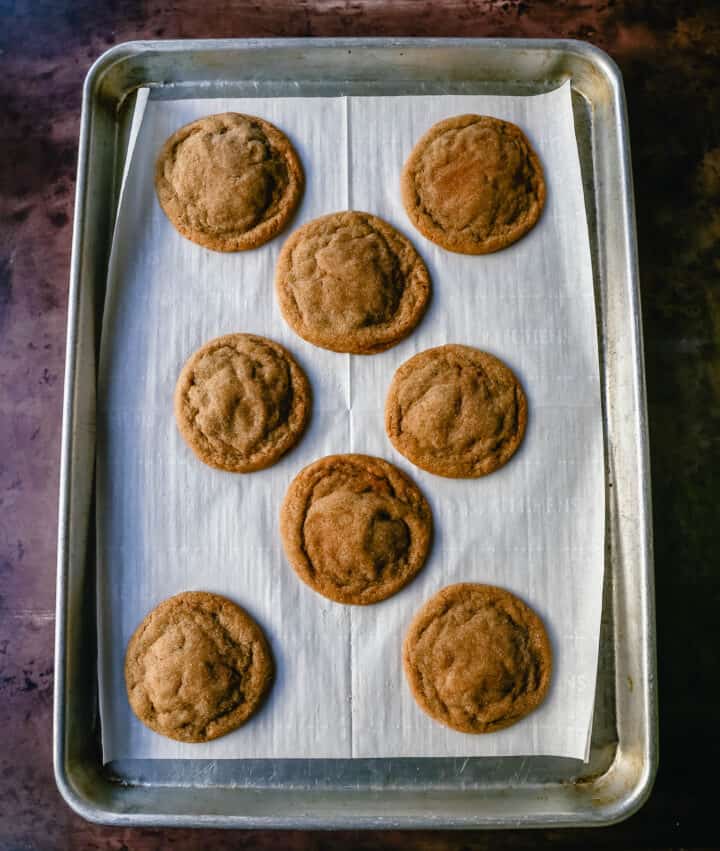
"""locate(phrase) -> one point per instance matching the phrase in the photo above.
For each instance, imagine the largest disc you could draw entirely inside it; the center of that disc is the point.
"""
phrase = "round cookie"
(473, 184)
(197, 667)
(349, 282)
(241, 402)
(229, 182)
(455, 411)
(355, 528)
(477, 658)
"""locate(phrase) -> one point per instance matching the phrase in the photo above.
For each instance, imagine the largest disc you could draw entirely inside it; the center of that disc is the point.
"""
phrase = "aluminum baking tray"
(368, 793)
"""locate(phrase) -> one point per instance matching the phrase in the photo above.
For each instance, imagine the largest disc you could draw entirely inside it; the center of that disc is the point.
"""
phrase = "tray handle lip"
(637, 796)
(132, 46)
(67, 789)
(62, 779)
(606, 814)
(124, 50)
(628, 804)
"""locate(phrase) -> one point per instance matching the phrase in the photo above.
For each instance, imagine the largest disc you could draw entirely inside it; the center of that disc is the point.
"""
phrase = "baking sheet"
(167, 523)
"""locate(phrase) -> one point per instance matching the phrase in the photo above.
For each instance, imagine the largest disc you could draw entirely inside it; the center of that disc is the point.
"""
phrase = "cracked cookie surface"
(473, 184)
(355, 528)
(241, 402)
(456, 411)
(197, 667)
(350, 282)
(229, 181)
(477, 658)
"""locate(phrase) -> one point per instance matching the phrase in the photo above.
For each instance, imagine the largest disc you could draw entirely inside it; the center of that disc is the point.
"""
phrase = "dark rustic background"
(669, 53)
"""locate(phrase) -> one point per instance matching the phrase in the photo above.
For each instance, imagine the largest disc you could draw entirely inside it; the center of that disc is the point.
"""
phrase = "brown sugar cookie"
(455, 411)
(477, 658)
(355, 528)
(229, 181)
(349, 282)
(197, 667)
(473, 184)
(241, 402)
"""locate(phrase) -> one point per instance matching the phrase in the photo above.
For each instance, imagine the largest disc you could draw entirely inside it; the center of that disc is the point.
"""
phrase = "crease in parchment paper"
(166, 523)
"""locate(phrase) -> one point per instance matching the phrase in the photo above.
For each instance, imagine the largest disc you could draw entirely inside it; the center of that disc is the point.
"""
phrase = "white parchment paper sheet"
(167, 523)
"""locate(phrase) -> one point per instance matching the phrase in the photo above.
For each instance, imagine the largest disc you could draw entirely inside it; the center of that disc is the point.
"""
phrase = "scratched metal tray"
(377, 793)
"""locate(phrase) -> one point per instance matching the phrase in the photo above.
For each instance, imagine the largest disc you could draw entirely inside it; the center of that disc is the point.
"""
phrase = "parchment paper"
(167, 523)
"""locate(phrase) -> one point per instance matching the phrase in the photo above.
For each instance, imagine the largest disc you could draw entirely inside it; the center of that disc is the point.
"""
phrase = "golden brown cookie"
(197, 667)
(473, 184)
(355, 528)
(241, 402)
(229, 181)
(477, 658)
(349, 282)
(455, 411)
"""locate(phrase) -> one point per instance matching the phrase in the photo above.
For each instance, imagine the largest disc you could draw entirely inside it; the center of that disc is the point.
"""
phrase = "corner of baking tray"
(101, 71)
(610, 806)
(72, 797)
(103, 64)
(599, 58)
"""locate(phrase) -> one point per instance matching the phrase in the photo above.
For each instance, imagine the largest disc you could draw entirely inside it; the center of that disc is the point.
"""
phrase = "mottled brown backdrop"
(669, 53)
